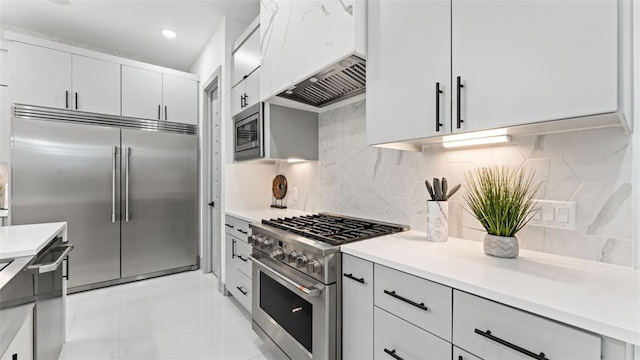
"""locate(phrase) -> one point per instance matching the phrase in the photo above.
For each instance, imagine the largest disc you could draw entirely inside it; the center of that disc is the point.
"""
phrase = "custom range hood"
(334, 83)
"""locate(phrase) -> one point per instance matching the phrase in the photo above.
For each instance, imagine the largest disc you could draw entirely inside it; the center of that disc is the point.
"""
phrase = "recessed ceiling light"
(168, 33)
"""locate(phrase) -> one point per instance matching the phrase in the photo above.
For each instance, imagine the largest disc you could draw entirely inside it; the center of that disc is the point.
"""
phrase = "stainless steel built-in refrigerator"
(127, 188)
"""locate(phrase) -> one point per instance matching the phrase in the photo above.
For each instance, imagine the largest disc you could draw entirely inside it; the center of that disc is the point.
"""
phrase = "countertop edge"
(623, 334)
(56, 228)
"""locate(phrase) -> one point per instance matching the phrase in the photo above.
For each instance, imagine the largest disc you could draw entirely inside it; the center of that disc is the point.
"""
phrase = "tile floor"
(180, 316)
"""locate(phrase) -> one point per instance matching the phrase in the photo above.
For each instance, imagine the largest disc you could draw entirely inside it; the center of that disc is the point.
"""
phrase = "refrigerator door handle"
(114, 154)
(126, 183)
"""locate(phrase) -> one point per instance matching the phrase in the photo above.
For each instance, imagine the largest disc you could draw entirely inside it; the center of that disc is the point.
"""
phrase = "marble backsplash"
(591, 168)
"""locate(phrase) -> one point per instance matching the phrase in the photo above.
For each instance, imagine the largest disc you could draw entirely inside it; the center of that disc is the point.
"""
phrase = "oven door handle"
(307, 290)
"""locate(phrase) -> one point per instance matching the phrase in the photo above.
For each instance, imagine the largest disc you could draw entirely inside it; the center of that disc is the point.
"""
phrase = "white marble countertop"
(257, 214)
(27, 240)
(601, 298)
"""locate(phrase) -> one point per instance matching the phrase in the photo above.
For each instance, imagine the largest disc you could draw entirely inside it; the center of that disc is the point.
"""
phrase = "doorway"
(212, 171)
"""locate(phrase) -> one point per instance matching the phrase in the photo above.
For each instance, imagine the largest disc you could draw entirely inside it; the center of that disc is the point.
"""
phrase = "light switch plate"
(555, 214)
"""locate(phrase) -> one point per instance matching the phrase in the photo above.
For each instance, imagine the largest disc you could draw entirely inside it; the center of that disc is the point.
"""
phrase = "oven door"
(295, 312)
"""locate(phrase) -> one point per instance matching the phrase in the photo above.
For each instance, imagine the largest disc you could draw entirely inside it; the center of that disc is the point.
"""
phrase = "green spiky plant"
(501, 198)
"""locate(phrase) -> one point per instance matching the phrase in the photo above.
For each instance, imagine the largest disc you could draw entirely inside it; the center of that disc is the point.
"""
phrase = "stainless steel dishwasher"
(47, 269)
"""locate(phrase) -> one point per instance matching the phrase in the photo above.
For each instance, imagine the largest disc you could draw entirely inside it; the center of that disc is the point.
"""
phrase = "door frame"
(206, 174)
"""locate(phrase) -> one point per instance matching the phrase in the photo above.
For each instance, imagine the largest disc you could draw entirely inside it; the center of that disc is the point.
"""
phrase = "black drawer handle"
(517, 348)
(393, 354)
(228, 225)
(243, 258)
(243, 231)
(242, 291)
(393, 293)
(459, 87)
(438, 92)
(350, 276)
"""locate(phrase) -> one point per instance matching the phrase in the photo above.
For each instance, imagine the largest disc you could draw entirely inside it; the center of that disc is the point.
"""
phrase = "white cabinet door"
(4, 67)
(237, 97)
(40, 76)
(530, 61)
(141, 93)
(230, 263)
(357, 308)
(459, 354)
(409, 52)
(247, 57)
(252, 88)
(21, 347)
(180, 99)
(96, 85)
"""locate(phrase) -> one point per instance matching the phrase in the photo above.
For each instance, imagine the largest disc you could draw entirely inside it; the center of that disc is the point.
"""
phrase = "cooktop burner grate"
(335, 230)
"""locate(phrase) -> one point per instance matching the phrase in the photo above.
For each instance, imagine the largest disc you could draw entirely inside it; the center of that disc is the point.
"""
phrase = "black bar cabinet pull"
(459, 104)
(242, 231)
(14, 357)
(393, 293)
(66, 99)
(517, 348)
(460, 357)
(438, 92)
(76, 100)
(393, 354)
(242, 258)
(228, 225)
(350, 276)
(233, 248)
(159, 109)
(165, 113)
(66, 276)
(242, 291)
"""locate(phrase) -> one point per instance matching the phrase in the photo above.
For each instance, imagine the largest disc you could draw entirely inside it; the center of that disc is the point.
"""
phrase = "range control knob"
(277, 254)
(254, 239)
(301, 261)
(313, 266)
(292, 256)
(266, 243)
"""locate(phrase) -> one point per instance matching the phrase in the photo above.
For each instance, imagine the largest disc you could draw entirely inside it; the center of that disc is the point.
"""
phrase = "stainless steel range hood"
(334, 83)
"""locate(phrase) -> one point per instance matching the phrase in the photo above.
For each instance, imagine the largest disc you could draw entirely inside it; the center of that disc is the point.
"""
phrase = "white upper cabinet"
(96, 85)
(4, 67)
(246, 58)
(180, 99)
(519, 62)
(141, 93)
(153, 95)
(40, 76)
(409, 53)
(300, 38)
(530, 61)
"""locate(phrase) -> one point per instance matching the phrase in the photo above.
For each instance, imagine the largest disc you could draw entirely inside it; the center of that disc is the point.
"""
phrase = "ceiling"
(130, 28)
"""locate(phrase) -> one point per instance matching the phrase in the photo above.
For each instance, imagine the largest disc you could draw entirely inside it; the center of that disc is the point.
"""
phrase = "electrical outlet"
(555, 214)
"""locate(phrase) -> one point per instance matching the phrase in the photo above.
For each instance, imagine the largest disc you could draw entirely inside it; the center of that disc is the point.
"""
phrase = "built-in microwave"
(248, 134)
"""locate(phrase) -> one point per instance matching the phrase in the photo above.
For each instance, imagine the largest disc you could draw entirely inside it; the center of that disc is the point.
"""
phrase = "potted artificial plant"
(501, 198)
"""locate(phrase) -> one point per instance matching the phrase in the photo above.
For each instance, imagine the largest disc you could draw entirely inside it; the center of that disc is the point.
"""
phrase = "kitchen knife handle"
(165, 113)
(458, 103)
(114, 154)
(438, 92)
(126, 183)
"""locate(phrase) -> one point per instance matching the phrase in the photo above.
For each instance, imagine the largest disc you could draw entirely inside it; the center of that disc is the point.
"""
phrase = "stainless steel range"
(296, 290)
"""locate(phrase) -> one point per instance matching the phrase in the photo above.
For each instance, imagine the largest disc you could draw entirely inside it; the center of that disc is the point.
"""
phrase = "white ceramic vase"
(501, 246)
(437, 221)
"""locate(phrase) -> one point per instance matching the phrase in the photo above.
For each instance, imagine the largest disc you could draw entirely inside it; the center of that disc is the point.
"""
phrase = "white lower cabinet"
(21, 347)
(401, 340)
(459, 354)
(491, 330)
(237, 263)
(357, 308)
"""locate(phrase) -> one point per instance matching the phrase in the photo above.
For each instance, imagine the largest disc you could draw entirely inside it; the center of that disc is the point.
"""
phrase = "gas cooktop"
(334, 229)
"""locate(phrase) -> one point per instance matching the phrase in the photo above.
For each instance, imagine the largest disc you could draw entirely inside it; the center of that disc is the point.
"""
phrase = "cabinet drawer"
(459, 354)
(237, 227)
(404, 340)
(242, 252)
(419, 301)
(357, 308)
(480, 325)
(243, 290)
